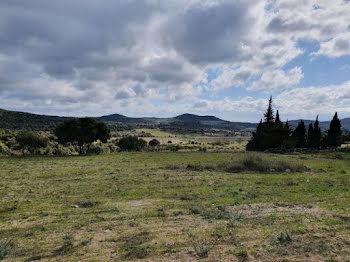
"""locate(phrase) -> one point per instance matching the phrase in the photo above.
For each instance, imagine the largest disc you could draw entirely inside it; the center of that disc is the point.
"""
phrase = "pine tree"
(300, 135)
(269, 118)
(334, 132)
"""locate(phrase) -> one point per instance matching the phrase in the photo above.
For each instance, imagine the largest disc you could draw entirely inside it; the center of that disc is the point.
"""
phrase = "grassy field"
(154, 207)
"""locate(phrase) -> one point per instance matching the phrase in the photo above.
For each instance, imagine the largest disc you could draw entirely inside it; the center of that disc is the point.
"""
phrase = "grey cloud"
(342, 44)
(201, 104)
(213, 34)
(115, 51)
(123, 95)
(278, 25)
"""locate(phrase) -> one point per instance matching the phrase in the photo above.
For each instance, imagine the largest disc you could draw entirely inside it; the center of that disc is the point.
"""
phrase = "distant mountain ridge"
(22, 120)
(324, 125)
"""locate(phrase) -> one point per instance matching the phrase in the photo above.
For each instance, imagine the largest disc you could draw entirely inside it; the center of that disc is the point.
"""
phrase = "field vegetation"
(163, 206)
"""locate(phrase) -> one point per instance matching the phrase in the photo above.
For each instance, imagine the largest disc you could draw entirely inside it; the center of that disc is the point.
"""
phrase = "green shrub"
(4, 150)
(84, 243)
(66, 150)
(284, 238)
(233, 218)
(203, 149)
(195, 210)
(68, 240)
(31, 141)
(201, 249)
(98, 148)
(201, 246)
(112, 147)
(242, 255)
(173, 148)
(131, 143)
(154, 143)
(254, 163)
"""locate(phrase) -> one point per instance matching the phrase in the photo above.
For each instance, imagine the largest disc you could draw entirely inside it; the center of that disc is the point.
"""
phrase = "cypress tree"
(269, 118)
(277, 120)
(316, 137)
(270, 133)
(300, 134)
(255, 142)
(310, 136)
(334, 132)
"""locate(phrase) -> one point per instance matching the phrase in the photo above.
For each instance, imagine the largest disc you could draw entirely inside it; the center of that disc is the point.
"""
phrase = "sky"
(164, 58)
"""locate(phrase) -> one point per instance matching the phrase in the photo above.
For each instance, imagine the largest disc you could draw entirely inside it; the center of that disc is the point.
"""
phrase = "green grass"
(155, 132)
(130, 206)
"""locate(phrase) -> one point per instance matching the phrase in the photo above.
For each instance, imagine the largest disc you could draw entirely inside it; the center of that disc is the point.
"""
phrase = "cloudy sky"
(164, 58)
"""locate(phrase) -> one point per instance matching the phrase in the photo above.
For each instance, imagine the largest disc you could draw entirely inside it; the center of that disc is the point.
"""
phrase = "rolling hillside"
(182, 123)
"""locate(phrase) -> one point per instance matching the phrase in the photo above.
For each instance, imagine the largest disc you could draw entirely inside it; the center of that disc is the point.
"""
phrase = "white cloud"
(310, 101)
(77, 55)
(232, 77)
(336, 47)
(278, 80)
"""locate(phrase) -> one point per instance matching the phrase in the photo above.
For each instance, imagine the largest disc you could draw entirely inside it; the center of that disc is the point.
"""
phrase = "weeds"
(68, 240)
(161, 212)
(203, 243)
(284, 238)
(201, 246)
(234, 219)
(84, 243)
(251, 163)
(6, 250)
(86, 204)
(201, 250)
(242, 255)
(196, 210)
(133, 248)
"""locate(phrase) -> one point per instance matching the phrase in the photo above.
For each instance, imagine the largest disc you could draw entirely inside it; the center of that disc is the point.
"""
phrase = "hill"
(183, 123)
(22, 120)
(186, 123)
(324, 125)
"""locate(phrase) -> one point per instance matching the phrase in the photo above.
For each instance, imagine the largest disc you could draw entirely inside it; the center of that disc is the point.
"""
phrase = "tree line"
(272, 134)
(76, 136)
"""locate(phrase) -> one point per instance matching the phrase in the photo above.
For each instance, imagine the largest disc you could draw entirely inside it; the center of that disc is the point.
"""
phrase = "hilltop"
(182, 123)
(185, 122)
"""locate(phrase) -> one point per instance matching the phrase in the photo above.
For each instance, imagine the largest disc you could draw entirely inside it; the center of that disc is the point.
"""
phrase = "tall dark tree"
(278, 122)
(270, 134)
(317, 135)
(82, 131)
(269, 117)
(300, 135)
(334, 135)
(310, 134)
